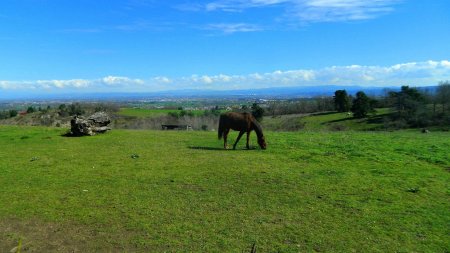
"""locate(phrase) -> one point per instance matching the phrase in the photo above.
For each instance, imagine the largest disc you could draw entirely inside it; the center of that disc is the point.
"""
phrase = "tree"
(4, 114)
(30, 109)
(75, 109)
(13, 113)
(443, 95)
(407, 101)
(362, 105)
(213, 111)
(257, 111)
(341, 101)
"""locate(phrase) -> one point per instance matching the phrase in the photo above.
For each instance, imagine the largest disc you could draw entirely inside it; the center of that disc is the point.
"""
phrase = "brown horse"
(242, 122)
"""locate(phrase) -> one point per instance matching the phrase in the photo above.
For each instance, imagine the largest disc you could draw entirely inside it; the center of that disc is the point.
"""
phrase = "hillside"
(326, 121)
(139, 118)
(158, 191)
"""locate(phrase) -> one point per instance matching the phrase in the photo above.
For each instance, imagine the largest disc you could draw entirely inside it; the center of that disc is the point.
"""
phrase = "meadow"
(170, 191)
(326, 121)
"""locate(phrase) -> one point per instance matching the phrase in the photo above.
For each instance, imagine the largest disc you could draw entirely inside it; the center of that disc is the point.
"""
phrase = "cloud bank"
(413, 74)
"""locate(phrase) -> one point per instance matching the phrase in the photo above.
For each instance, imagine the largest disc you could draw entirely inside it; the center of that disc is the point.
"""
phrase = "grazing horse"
(242, 122)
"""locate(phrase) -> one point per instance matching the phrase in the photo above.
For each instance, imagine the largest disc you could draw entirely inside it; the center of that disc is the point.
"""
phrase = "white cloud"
(311, 11)
(6, 85)
(162, 79)
(118, 80)
(412, 73)
(239, 5)
(445, 64)
(233, 28)
(206, 79)
(60, 84)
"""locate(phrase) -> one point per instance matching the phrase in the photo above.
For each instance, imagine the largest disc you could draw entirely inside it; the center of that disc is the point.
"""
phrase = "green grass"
(309, 191)
(142, 113)
(326, 122)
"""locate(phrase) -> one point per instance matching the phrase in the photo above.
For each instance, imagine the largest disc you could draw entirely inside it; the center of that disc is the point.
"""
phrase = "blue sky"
(57, 46)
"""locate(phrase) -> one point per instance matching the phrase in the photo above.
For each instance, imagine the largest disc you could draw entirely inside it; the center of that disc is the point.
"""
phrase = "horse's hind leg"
(248, 138)
(225, 136)
(238, 138)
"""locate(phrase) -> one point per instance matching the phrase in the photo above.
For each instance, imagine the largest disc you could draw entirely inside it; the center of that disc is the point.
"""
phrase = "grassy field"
(162, 191)
(143, 113)
(326, 121)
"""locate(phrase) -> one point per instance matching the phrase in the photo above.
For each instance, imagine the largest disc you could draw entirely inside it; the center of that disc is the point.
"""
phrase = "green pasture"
(327, 121)
(176, 191)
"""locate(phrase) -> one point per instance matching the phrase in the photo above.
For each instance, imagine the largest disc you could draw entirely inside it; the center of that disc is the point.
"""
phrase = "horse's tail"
(221, 127)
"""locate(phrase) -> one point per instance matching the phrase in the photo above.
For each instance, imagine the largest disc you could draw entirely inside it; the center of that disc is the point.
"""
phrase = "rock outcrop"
(96, 123)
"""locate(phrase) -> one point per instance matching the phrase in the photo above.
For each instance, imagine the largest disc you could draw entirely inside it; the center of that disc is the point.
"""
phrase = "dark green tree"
(75, 109)
(4, 114)
(13, 113)
(257, 112)
(408, 101)
(362, 105)
(30, 109)
(63, 110)
(443, 95)
(341, 101)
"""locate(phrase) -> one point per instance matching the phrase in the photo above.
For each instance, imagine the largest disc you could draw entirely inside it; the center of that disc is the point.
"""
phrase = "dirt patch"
(38, 236)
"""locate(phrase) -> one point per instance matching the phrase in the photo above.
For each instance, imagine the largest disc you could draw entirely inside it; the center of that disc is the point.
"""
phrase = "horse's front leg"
(248, 139)
(238, 138)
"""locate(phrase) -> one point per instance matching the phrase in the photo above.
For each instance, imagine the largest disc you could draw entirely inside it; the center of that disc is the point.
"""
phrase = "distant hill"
(276, 92)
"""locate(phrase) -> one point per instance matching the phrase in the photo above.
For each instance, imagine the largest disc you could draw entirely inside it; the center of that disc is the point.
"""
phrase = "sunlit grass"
(328, 121)
(180, 191)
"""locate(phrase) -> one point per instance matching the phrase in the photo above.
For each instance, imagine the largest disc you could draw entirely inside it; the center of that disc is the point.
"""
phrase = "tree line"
(410, 107)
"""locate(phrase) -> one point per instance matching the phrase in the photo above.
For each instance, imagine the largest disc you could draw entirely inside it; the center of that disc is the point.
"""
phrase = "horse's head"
(262, 142)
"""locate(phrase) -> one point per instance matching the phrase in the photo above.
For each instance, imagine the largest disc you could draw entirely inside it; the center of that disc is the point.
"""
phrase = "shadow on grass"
(338, 120)
(220, 149)
(323, 113)
(69, 134)
(376, 120)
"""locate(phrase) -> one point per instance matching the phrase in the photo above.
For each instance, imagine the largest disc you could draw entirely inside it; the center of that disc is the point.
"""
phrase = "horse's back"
(236, 120)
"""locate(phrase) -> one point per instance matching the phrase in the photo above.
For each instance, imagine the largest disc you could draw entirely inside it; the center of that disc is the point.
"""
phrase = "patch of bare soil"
(38, 236)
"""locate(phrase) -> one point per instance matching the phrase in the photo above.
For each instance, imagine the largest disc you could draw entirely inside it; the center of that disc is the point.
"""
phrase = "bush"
(30, 109)
(4, 115)
(13, 113)
(173, 114)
